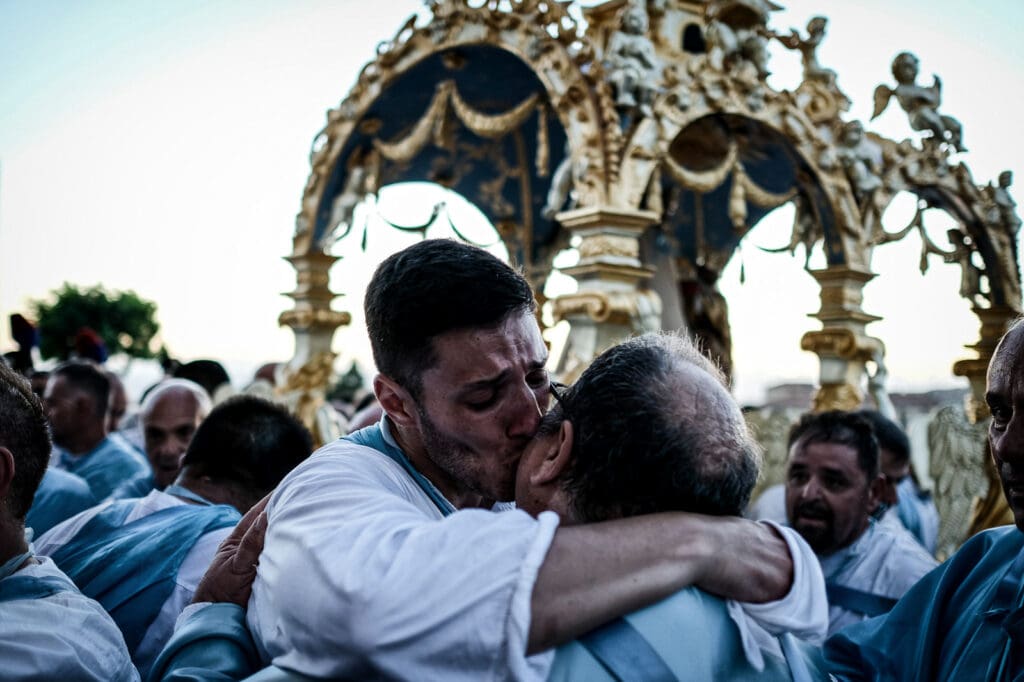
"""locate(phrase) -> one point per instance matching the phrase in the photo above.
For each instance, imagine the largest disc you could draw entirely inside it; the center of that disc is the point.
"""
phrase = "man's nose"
(811, 490)
(527, 414)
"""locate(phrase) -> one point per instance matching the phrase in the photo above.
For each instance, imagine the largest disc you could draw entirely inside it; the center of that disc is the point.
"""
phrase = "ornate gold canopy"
(646, 134)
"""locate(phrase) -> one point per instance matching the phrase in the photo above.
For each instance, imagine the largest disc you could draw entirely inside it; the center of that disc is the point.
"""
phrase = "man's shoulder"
(690, 631)
(64, 483)
(65, 630)
(898, 558)
(994, 545)
(345, 462)
(116, 449)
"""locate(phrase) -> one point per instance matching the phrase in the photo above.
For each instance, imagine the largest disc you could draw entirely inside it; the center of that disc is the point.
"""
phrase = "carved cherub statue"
(1004, 208)
(631, 61)
(857, 161)
(808, 47)
(970, 274)
(921, 103)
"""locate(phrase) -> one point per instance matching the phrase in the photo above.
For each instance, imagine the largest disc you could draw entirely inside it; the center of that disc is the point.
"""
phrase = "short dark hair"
(843, 428)
(889, 434)
(209, 374)
(249, 442)
(633, 454)
(25, 432)
(86, 376)
(433, 287)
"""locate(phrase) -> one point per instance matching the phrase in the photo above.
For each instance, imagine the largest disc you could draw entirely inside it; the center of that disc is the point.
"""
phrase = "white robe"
(189, 574)
(65, 636)
(362, 577)
(882, 561)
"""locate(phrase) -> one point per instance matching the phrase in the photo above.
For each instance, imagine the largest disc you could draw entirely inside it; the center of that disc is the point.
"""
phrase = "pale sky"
(162, 147)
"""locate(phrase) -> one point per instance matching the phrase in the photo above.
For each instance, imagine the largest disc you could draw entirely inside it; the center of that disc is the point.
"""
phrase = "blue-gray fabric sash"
(32, 587)
(858, 601)
(130, 568)
(626, 654)
(373, 437)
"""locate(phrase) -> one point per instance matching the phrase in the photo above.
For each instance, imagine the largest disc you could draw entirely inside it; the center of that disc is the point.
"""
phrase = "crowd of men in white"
(492, 523)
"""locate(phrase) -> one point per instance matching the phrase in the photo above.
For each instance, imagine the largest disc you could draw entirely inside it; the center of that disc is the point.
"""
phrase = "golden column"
(307, 375)
(613, 301)
(841, 344)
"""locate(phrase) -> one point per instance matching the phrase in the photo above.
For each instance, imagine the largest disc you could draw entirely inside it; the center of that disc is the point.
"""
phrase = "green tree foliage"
(125, 322)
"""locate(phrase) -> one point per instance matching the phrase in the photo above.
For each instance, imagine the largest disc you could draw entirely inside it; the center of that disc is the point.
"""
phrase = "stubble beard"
(457, 460)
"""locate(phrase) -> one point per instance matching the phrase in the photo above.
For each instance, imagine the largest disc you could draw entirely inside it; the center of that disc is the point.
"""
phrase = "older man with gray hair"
(169, 415)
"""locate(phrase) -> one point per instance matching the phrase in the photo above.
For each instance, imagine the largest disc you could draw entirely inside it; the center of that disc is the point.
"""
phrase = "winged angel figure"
(957, 466)
(921, 103)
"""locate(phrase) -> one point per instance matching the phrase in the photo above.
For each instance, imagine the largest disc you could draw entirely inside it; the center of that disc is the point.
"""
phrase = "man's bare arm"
(597, 572)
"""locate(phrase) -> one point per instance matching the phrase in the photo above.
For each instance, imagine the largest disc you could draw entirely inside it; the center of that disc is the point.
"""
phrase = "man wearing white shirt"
(48, 629)
(143, 558)
(383, 556)
(832, 486)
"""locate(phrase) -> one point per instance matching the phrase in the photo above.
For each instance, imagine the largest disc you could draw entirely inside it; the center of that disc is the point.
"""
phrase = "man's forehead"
(1008, 361)
(467, 355)
(174, 401)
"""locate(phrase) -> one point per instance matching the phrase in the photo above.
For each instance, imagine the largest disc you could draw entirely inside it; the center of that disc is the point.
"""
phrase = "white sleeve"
(802, 612)
(357, 581)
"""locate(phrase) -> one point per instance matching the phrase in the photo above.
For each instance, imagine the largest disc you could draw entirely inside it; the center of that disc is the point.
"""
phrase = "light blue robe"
(104, 467)
(952, 625)
(691, 631)
(50, 631)
(130, 568)
(140, 486)
(917, 513)
(884, 561)
(60, 496)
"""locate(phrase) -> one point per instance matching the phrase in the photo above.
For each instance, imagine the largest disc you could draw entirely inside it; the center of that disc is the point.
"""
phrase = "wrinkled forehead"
(1006, 371)
(1009, 354)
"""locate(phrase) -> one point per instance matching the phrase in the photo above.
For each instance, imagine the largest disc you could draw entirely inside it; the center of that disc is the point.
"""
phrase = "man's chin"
(815, 533)
(1015, 499)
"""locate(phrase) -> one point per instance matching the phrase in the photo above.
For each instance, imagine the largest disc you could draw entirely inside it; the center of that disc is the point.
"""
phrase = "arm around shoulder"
(594, 573)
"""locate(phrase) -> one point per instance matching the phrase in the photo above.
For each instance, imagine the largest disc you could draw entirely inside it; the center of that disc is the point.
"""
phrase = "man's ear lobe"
(876, 492)
(395, 400)
(6, 472)
(557, 457)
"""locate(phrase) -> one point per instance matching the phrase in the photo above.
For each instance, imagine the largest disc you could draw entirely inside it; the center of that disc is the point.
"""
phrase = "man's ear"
(876, 492)
(396, 401)
(6, 472)
(557, 458)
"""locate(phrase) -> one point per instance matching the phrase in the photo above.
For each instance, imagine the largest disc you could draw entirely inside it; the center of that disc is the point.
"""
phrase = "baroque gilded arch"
(649, 134)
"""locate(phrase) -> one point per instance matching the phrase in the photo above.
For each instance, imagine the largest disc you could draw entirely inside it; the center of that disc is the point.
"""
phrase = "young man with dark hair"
(48, 629)
(832, 489)
(142, 558)
(964, 620)
(380, 558)
(76, 400)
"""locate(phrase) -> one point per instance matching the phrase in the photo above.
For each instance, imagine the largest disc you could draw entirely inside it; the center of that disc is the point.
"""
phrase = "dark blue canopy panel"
(500, 176)
(698, 225)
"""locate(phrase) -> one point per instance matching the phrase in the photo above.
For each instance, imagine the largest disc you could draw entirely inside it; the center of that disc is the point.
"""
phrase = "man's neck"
(84, 442)
(12, 540)
(208, 490)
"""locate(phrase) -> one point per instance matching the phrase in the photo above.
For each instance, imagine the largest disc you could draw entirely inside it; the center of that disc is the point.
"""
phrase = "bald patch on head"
(699, 397)
(177, 390)
(1009, 354)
